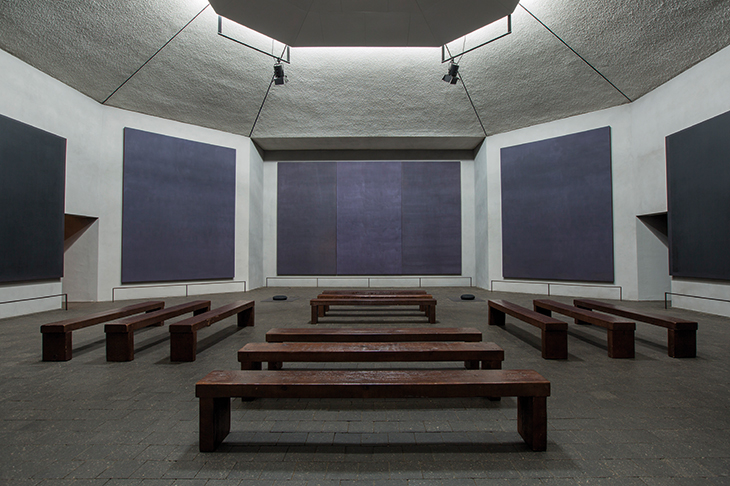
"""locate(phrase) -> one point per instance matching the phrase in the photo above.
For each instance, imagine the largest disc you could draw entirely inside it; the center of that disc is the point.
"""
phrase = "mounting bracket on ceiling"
(285, 54)
(446, 52)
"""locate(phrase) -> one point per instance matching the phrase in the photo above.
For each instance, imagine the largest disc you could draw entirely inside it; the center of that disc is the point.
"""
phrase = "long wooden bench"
(372, 334)
(57, 341)
(344, 295)
(554, 333)
(120, 334)
(374, 292)
(184, 334)
(252, 355)
(426, 304)
(218, 387)
(620, 332)
(681, 333)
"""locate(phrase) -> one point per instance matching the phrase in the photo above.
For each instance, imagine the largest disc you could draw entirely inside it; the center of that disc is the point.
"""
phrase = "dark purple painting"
(32, 197)
(369, 218)
(698, 178)
(431, 202)
(557, 208)
(307, 218)
(178, 220)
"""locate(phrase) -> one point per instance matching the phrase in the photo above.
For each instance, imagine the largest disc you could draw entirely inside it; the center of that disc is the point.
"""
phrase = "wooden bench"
(252, 355)
(554, 333)
(620, 332)
(120, 334)
(681, 333)
(57, 341)
(374, 292)
(184, 334)
(426, 304)
(372, 295)
(373, 335)
(218, 387)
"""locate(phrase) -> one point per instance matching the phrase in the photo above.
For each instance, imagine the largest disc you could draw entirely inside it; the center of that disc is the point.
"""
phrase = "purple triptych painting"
(369, 218)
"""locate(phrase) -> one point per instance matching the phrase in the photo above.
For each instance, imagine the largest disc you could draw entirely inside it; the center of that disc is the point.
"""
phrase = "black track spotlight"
(453, 75)
(279, 77)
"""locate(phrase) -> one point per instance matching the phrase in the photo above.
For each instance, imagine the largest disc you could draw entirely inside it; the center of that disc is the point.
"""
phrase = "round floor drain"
(279, 297)
(467, 297)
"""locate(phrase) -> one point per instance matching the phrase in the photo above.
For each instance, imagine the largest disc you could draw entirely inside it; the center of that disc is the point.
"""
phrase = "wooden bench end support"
(120, 346)
(620, 343)
(682, 343)
(554, 344)
(57, 346)
(183, 346)
(532, 421)
(215, 422)
(246, 317)
(496, 317)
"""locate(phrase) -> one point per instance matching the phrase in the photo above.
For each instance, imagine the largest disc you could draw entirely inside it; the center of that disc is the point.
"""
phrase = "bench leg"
(471, 365)
(323, 310)
(495, 317)
(57, 346)
(250, 365)
(120, 346)
(542, 310)
(431, 314)
(315, 314)
(620, 344)
(532, 421)
(215, 422)
(275, 365)
(246, 317)
(183, 346)
(555, 344)
(680, 344)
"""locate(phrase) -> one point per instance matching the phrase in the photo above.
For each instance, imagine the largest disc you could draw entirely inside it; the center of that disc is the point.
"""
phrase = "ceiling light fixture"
(452, 77)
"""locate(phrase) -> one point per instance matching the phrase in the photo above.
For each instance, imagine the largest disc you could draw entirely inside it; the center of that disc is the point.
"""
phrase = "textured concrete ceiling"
(165, 58)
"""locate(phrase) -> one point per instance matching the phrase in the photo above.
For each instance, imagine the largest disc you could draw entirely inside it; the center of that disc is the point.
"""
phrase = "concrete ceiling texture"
(166, 58)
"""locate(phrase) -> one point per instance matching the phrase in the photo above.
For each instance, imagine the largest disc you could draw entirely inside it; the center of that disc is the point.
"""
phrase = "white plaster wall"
(653, 263)
(696, 95)
(32, 97)
(94, 171)
(624, 202)
(481, 218)
(468, 244)
(80, 265)
(110, 183)
(256, 219)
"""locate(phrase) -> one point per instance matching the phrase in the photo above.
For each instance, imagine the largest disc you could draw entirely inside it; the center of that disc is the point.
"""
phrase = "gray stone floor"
(652, 420)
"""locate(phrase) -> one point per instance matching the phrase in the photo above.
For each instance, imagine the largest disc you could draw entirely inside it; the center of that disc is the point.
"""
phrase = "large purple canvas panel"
(178, 220)
(431, 201)
(557, 210)
(307, 218)
(369, 218)
(698, 178)
(32, 191)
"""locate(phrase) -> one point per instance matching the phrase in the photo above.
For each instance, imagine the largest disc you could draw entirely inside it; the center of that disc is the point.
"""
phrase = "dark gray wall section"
(557, 212)
(307, 218)
(369, 218)
(431, 218)
(32, 190)
(178, 219)
(698, 190)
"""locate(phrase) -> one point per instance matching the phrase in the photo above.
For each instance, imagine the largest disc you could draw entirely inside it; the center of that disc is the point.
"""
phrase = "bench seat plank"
(57, 340)
(184, 334)
(373, 335)
(218, 387)
(374, 292)
(620, 332)
(252, 355)
(426, 303)
(554, 333)
(120, 334)
(681, 333)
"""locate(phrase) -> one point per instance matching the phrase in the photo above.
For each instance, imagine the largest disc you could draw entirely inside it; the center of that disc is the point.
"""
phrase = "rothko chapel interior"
(170, 148)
